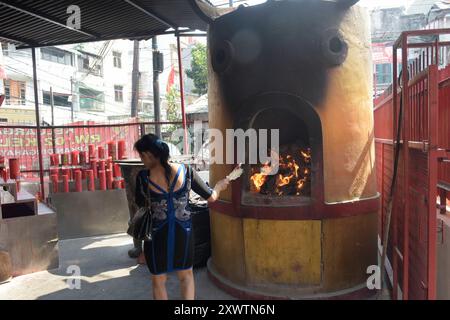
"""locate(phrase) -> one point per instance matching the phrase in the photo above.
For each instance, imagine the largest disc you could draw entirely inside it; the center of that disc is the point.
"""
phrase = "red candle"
(6, 174)
(91, 149)
(75, 159)
(66, 172)
(14, 170)
(101, 165)
(54, 159)
(112, 150)
(83, 174)
(116, 184)
(83, 157)
(123, 184)
(65, 179)
(109, 179)
(78, 185)
(54, 179)
(54, 172)
(117, 172)
(102, 179)
(121, 149)
(101, 152)
(90, 176)
(109, 164)
(94, 168)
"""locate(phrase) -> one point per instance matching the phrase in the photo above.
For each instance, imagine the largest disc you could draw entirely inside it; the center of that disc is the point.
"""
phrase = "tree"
(173, 111)
(199, 70)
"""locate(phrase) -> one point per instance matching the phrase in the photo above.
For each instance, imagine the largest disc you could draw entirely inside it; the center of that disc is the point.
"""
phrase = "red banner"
(22, 143)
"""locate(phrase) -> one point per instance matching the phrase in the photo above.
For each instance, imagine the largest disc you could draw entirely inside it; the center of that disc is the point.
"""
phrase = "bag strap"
(144, 177)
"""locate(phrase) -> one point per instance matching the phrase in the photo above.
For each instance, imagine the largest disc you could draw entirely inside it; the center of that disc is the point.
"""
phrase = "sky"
(366, 3)
(384, 3)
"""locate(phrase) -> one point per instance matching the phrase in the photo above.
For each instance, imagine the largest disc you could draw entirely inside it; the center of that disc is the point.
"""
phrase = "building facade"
(90, 81)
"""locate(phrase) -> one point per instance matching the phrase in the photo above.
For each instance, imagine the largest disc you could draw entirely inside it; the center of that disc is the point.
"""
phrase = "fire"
(293, 176)
(258, 179)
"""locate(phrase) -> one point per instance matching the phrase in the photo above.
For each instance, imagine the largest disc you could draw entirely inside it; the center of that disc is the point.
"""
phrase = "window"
(118, 93)
(22, 97)
(57, 55)
(383, 73)
(7, 92)
(90, 64)
(117, 59)
(15, 92)
(91, 100)
(59, 99)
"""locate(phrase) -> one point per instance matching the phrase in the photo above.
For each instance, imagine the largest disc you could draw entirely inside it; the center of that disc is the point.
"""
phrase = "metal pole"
(135, 80)
(405, 151)
(183, 113)
(38, 122)
(53, 119)
(156, 102)
(71, 92)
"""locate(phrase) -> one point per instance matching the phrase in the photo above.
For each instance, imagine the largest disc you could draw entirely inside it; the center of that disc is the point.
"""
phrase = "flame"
(293, 176)
(258, 179)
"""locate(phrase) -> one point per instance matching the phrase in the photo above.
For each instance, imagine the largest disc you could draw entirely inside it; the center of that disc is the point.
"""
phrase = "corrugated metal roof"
(420, 7)
(44, 22)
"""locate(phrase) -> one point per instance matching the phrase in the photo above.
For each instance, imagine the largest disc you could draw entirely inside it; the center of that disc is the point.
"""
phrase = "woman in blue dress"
(168, 184)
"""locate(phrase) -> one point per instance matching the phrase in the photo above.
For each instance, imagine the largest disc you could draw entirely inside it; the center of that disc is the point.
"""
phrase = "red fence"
(422, 113)
(21, 142)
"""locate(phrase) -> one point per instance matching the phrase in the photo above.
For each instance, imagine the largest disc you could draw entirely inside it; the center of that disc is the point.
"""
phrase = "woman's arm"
(204, 191)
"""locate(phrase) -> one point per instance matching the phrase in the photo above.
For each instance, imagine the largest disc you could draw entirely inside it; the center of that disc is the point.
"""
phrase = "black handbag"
(140, 226)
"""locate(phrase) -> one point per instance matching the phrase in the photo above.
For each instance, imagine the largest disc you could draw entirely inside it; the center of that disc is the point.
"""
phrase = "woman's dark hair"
(152, 143)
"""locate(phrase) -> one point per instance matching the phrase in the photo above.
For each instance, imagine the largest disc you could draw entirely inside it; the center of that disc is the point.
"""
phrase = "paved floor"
(106, 273)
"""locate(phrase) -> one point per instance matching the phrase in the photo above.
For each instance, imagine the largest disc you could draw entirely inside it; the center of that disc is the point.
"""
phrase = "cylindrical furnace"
(303, 67)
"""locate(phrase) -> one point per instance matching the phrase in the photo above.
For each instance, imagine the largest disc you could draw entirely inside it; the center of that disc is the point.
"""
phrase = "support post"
(156, 100)
(38, 123)
(183, 113)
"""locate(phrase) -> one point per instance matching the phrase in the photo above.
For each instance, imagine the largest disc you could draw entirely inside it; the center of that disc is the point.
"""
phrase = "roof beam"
(47, 18)
(17, 40)
(140, 36)
(152, 14)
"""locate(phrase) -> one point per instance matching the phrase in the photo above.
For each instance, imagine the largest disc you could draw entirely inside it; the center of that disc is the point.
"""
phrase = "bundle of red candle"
(12, 172)
(86, 166)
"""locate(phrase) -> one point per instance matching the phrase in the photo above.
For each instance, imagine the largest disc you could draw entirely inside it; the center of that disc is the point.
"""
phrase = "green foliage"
(173, 111)
(173, 104)
(199, 70)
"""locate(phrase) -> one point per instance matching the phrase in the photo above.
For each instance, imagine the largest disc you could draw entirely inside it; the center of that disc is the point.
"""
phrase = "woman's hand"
(222, 185)
(219, 187)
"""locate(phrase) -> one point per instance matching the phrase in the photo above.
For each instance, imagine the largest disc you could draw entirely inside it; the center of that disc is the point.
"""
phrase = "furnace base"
(274, 292)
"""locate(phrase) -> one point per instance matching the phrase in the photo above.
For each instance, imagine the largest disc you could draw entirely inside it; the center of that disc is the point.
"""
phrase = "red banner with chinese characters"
(22, 143)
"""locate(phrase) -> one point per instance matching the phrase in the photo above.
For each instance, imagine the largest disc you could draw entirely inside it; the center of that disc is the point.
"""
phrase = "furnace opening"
(294, 174)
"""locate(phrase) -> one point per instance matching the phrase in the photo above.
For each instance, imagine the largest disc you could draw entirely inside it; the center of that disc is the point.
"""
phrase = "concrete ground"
(106, 273)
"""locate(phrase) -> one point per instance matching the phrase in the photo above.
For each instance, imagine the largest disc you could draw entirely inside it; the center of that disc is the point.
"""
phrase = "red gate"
(415, 119)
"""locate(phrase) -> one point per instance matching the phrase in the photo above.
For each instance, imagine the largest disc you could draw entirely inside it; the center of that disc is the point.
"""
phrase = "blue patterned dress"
(171, 247)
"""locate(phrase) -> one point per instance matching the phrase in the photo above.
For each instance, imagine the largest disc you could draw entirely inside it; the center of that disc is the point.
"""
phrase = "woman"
(168, 186)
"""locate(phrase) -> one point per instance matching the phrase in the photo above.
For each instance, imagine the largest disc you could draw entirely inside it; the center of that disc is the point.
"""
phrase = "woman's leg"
(186, 278)
(159, 287)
